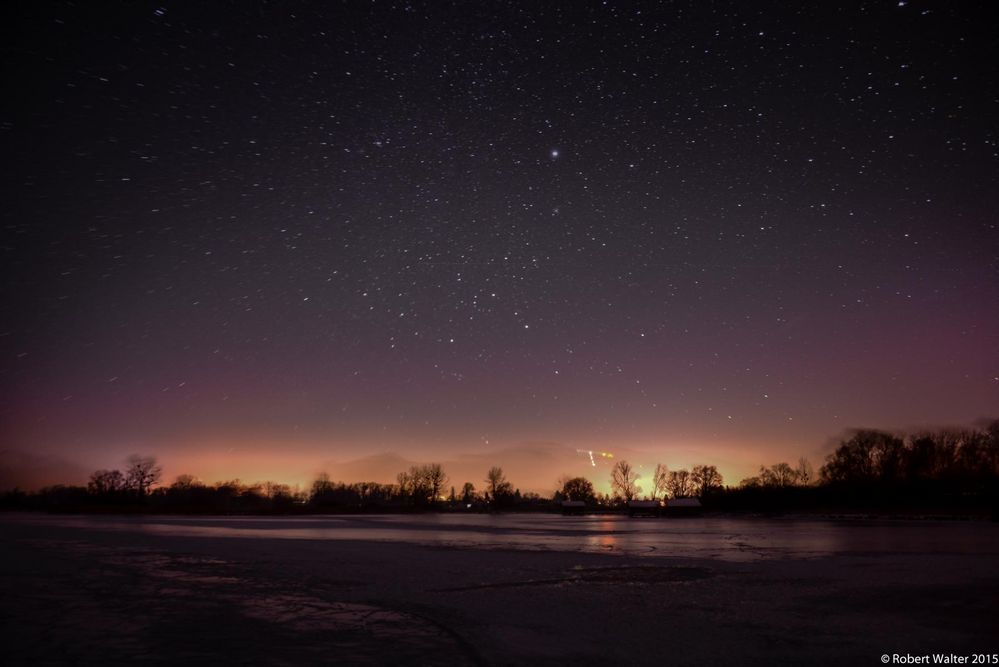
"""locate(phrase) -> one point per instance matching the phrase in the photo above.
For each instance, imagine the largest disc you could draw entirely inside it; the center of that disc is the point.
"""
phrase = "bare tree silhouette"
(660, 478)
(436, 480)
(142, 473)
(624, 480)
(577, 488)
(467, 492)
(705, 479)
(680, 484)
(106, 483)
(497, 488)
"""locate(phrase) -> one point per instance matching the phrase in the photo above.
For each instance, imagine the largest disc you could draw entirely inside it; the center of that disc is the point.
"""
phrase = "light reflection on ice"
(733, 539)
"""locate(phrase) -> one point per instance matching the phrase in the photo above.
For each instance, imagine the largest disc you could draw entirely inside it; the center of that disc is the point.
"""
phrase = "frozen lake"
(722, 538)
(492, 590)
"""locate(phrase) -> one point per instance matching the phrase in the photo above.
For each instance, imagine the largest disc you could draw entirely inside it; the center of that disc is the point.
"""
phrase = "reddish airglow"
(85, 434)
(534, 468)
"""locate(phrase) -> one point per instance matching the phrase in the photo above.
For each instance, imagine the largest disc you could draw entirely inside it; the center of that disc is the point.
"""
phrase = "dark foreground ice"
(501, 589)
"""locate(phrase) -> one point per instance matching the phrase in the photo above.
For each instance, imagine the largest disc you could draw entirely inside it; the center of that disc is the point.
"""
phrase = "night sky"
(256, 238)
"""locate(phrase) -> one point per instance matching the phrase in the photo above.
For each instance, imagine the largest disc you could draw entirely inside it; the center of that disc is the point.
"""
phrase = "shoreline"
(983, 517)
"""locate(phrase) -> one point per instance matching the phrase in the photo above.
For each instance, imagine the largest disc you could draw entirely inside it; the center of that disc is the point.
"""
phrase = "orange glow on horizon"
(529, 468)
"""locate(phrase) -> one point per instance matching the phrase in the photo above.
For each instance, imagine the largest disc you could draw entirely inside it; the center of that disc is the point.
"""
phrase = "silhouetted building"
(644, 508)
(683, 507)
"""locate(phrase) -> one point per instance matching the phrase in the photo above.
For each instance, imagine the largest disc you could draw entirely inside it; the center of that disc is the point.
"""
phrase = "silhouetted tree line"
(189, 495)
(885, 458)
(872, 470)
(106, 488)
(421, 487)
(626, 485)
(950, 470)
